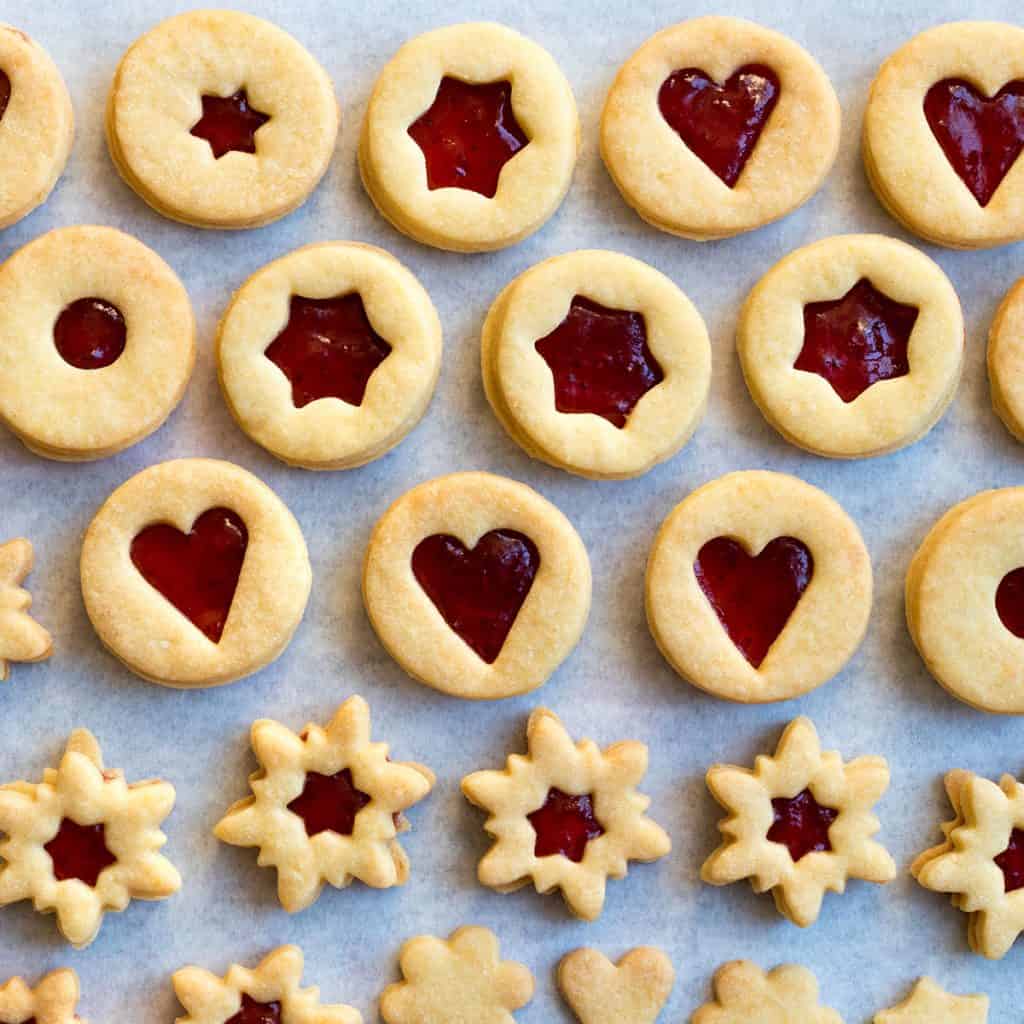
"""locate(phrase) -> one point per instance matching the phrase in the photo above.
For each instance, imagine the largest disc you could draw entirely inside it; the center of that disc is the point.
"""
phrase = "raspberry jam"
(5, 93)
(801, 825)
(754, 597)
(565, 824)
(196, 571)
(328, 349)
(720, 123)
(1010, 601)
(90, 334)
(478, 591)
(600, 361)
(229, 123)
(79, 851)
(858, 340)
(981, 136)
(329, 803)
(1011, 862)
(468, 134)
(256, 1013)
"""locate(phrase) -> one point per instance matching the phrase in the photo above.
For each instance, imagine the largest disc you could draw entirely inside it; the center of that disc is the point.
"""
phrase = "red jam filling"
(1010, 601)
(720, 123)
(600, 361)
(754, 597)
(256, 1013)
(196, 571)
(1011, 862)
(858, 340)
(5, 92)
(90, 334)
(801, 825)
(478, 591)
(229, 123)
(329, 803)
(468, 134)
(79, 851)
(565, 824)
(981, 136)
(328, 349)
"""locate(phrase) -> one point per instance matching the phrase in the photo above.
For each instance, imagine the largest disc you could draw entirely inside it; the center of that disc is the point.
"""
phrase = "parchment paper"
(870, 944)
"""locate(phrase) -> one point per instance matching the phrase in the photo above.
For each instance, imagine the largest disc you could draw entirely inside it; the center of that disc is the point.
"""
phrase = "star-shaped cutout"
(21, 637)
(52, 1001)
(748, 851)
(745, 994)
(931, 1004)
(608, 778)
(229, 123)
(857, 340)
(285, 817)
(268, 992)
(80, 791)
(468, 134)
(462, 978)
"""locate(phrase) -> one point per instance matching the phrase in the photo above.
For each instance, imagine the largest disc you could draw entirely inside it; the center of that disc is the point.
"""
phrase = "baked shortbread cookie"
(931, 1004)
(326, 806)
(470, 138)
(53, 1001)
(800, 823)
(1006, 361)
(21, 637)
(565, 816)
(633, 991)
(745, 994)
(84, 841)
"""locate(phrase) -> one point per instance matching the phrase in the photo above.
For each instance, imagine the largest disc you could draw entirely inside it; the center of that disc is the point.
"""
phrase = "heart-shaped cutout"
(478, 591)
(720, 123)
(981, 136)
(634, 991)
(754, 596)
(196, 571)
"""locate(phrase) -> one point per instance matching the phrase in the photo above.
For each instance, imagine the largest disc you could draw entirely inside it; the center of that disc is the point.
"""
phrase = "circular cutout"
(758, 587)
(596, 363)
(194, 573)
(476, 585)
(852, 346)
(718, 126)
(1006, 361)
(328, 356)
(65, 388)
(470, 138)
(221, 120)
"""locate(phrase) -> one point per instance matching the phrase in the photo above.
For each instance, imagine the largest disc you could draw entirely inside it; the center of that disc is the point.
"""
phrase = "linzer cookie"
(929, 1003)
(21, 637)
(1006, 361)
(745, 994)
(634, 990)
(53, 1001)
(718, 126)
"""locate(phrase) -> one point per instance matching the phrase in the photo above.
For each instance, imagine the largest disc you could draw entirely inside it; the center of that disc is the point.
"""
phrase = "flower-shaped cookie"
(52, 1001)
(267, 993)
(83, 841)
(633, 991)
(800, 823)
(21, 637)
(930, 1004)
(566, 816)
(449, 981)
(744, 994)
(982, 861)
(326, 806)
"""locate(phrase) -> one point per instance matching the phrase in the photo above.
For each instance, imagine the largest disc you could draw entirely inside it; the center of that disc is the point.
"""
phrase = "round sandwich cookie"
(1006, 361)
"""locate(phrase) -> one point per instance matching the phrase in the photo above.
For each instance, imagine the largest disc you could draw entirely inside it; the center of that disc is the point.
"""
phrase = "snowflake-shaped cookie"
(744, 994)
(800, 823)
(633, 991)
(52, 1001)
(326, 806)
(982, 861)
(930, 1004)
(83, 841)
(21, 637)
(568, 816)
(268, 992)
(456, 980)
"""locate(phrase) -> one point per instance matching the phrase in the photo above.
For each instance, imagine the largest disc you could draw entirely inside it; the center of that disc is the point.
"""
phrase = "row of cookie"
(464, 978)
(713, 127)
(327, 805)
(194, 573)
(593, 361)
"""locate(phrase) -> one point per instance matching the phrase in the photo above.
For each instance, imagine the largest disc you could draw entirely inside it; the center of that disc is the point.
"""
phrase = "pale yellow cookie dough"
(633, 991)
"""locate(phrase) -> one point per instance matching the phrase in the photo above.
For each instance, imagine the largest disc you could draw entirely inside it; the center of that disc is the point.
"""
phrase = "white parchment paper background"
(869, 944)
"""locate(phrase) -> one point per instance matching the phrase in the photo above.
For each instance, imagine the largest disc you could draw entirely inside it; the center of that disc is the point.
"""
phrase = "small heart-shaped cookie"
(633, 991)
